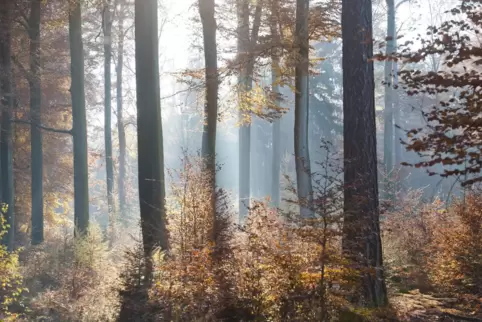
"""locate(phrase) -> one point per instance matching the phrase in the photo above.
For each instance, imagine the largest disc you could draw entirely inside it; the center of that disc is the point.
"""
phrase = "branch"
(400, 3)
(40, 126)
(22, 68)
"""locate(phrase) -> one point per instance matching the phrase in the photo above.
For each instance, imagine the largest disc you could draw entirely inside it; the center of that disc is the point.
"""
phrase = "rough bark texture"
(149, 131)
(275, 75)
(302, 154)
(109, 164)
(245, 128)
(389, 74)
(120, 115)
(206, 11)
(35, 131)
(361, 229)
(79, 126)
(7, 184)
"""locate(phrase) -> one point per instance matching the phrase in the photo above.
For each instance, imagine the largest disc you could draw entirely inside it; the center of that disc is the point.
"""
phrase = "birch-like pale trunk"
(388, 80)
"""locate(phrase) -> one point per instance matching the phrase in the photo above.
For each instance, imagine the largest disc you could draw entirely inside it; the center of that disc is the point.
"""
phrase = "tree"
(6, 90)
(361, 228)
(107, 18)
(246, 57)
(36, 121)
(206, 11)
(451, 137)
(275, 79)
(79, 123)
(149, 131)
(302, 155)
(120, 113)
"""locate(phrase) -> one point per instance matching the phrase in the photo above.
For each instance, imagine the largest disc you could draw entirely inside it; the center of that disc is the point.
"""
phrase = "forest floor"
(415, 306)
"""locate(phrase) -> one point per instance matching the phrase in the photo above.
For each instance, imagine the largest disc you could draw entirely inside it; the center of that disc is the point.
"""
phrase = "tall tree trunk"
(79, 126)
(120, 115)
(244, 117)
(35, 131)
(275, 75)
(109, 165)
(7, 184)
(206, 11)
(302, 154)
(389, 73)
(149, 131)
(246, 44)
(361, 229)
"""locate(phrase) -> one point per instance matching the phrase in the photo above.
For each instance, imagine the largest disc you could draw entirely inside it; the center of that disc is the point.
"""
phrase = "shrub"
(72, 279)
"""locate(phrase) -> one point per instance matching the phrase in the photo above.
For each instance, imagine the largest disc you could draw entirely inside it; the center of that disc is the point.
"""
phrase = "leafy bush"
(72, 279)
(11, 281)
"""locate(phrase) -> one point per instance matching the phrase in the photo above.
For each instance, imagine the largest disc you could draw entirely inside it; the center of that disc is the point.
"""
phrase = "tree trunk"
(302, 154)
(149, 131)
(109, 165)
(7, 184)
(361, 229)
(275, 75)
(389, 74)
(244, 117)
(79, 126)
(120, 115)
(206, 11)
(35, 131)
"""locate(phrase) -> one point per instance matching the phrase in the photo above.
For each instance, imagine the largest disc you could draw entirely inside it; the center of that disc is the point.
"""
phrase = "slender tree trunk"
(109, 165)
(389, 73)
(79, 128)
(120, 115)
(149, 131)
(275, 75)
(244, 117)
(206, 11)
(361, 228)
(302, 154)
(35, 131)
(7, 183)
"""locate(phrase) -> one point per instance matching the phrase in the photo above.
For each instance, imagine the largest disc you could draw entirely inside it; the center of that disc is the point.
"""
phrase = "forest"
(240, 160)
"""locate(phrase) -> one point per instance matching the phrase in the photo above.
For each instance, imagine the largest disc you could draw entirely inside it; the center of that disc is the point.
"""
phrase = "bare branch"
(46, 128)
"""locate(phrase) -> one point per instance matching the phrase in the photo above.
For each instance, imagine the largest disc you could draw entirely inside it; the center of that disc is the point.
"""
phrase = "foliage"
(11, 281)
(72, 279)
(451, 136)
(435, 247)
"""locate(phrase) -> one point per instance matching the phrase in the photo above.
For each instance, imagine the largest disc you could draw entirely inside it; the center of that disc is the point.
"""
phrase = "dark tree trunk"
(7, 184)
(79, 126)
(109, 165)
(149, 131)
(35, 131)
(361, 229)
(302, 154)
(120, 116)
(206, 11)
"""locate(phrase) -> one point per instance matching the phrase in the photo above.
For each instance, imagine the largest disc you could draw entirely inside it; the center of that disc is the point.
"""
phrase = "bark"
(389, 74)
(35, 131)
(79, 126)
(361, 229)
(149, 131)
(302, 154)
(275, 75)
(246, 58)
(6, 157)
(245, 128)
(109, 165)
(120, 115)
(206, 11)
